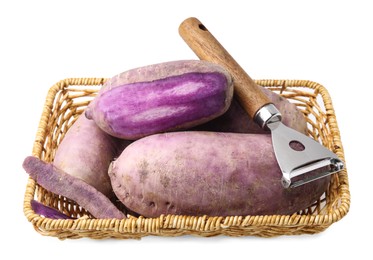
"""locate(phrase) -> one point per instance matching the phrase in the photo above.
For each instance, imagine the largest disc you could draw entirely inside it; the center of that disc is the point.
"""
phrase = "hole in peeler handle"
(296, 146)
(202, 27)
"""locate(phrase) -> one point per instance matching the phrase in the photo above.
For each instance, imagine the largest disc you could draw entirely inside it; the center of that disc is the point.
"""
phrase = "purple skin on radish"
(206, 173)
(162, 70)
(47, 212)
(61, 183)
(134, 110)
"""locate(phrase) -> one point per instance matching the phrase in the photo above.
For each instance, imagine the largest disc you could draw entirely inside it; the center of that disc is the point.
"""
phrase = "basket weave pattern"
(67, 99)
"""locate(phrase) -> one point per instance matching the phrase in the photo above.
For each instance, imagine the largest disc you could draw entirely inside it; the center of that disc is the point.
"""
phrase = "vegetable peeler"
(301, 158)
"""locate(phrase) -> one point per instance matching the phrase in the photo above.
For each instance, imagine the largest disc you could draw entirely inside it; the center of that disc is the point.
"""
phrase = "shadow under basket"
(67, 99)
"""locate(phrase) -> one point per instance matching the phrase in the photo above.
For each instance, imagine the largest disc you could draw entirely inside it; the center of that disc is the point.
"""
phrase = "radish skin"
(57, 181)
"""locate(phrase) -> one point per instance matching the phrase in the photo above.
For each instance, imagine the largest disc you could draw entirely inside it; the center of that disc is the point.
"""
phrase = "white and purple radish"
(86, 153)
(163, 97)
(207, 173)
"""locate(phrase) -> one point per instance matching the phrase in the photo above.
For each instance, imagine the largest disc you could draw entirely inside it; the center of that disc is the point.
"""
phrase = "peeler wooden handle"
(206, 47)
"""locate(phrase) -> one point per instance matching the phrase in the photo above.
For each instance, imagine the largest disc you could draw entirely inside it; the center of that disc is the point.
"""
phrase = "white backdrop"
(42, 42)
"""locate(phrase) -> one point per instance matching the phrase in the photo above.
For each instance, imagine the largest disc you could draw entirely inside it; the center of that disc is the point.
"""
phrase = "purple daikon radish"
(162, 97)
(86, 152)
(207, 173)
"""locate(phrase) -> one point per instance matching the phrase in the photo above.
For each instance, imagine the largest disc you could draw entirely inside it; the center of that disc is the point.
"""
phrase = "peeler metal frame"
(315, 165)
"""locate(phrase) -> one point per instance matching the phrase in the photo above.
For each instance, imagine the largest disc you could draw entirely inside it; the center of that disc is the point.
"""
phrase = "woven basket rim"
(173, 225)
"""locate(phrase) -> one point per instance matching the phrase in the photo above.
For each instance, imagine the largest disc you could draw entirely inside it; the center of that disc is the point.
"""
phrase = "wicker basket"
(68, 98)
